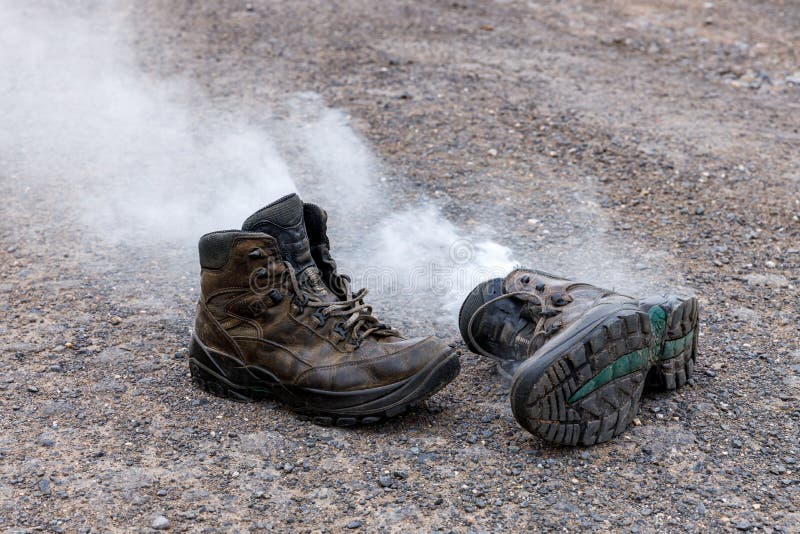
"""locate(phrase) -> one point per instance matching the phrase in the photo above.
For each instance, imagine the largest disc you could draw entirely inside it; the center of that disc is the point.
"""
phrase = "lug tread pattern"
(602, 414)
(682, 319)
(608, 410)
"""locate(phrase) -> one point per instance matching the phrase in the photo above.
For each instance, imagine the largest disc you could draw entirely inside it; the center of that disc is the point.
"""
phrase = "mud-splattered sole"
(227, 377)
(584, 387)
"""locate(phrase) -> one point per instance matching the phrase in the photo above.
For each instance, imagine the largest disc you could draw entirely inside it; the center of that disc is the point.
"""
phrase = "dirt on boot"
(579, 356)
(267, 325)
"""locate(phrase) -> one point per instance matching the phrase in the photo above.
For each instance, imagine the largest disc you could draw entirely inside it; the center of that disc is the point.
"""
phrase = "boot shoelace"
(359, 322)
(535, 305)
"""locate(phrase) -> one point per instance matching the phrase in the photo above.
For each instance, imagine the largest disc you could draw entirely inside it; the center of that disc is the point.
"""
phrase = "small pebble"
(160, 523)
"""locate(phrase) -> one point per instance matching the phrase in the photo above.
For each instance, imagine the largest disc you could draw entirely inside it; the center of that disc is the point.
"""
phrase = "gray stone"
(160, 523)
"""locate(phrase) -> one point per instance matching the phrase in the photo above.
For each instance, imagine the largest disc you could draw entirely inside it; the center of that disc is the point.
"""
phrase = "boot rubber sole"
(584, 386)
(225, 376)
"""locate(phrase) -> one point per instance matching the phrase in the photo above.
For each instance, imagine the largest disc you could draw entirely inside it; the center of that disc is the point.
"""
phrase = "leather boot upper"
(264, 302)
(546, 305)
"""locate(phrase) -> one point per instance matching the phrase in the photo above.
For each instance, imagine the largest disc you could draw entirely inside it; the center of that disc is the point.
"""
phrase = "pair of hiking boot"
(276, 319)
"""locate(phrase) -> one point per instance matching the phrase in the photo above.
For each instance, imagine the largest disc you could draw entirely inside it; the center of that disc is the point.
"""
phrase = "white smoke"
(143, 161)
(445, 262)
(131, 153)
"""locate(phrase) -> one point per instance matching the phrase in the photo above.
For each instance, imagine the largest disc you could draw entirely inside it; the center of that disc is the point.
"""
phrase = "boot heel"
(675, 371)
(208, 372)
(680, 346)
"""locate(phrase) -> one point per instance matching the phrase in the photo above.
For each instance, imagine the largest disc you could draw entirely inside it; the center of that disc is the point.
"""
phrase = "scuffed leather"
(237, 316)
(557, 302)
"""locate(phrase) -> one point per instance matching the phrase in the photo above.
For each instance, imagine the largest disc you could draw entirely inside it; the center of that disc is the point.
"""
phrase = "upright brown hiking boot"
(579, 356)
(271, 320)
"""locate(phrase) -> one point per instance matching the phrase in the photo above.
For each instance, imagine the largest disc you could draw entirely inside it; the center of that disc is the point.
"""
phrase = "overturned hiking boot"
(580, 355)
(272, 321)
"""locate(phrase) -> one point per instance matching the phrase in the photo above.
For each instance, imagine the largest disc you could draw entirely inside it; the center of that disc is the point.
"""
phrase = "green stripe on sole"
(637, 360)
(624, 365)
(676, 346)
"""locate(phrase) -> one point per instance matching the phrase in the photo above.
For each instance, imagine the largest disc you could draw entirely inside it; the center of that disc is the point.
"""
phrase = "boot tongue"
(283, 220)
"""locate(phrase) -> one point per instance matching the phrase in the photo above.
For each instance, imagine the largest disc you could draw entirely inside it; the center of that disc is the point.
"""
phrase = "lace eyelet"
(256, 253)
(339, 330)
(320, 317)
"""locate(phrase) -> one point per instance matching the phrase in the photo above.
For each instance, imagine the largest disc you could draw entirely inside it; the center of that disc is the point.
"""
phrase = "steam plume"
(145, 161)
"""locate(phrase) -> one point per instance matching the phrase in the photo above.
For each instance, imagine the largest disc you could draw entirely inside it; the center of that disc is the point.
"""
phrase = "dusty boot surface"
(579, 356)
(269, 324)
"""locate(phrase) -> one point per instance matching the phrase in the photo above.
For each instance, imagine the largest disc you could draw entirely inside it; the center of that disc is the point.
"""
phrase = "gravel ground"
(659, 135)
